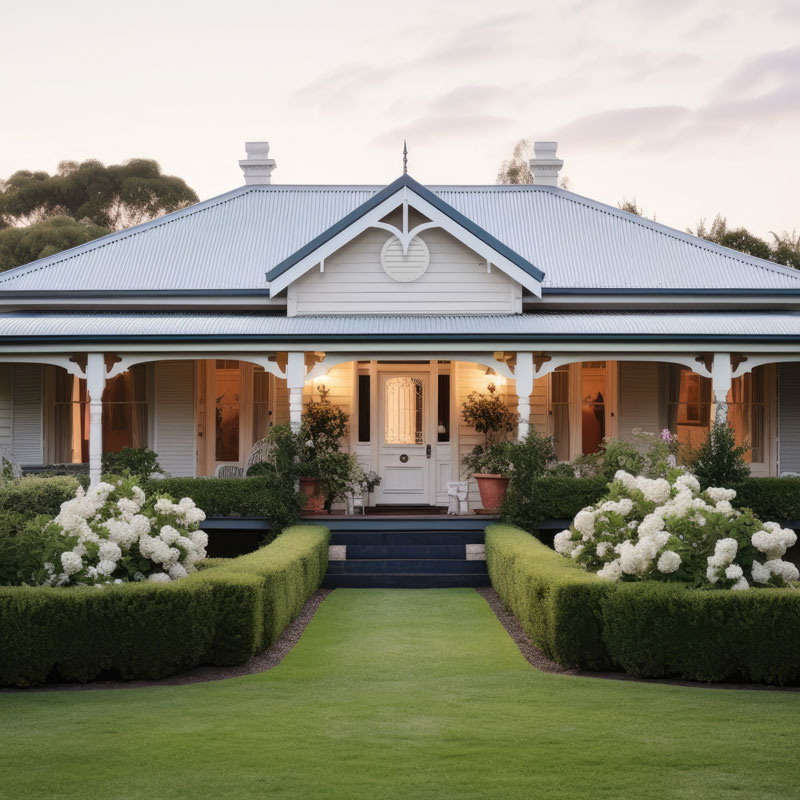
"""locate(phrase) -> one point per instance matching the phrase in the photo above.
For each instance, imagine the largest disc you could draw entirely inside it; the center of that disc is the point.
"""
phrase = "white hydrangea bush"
(112, 533)
(667, 529)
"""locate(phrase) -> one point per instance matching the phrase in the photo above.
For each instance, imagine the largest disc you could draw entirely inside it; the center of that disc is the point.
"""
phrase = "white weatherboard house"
(195, 332)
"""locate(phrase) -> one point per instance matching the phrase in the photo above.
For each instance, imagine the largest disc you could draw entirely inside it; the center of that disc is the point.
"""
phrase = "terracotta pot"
(493, 490)
(310, 488)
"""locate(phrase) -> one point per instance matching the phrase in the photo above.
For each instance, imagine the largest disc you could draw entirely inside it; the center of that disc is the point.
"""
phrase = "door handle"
(427, 451)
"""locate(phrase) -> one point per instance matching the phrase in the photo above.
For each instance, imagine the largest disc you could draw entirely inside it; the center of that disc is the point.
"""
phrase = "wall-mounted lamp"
(322, 387)
(495, 380)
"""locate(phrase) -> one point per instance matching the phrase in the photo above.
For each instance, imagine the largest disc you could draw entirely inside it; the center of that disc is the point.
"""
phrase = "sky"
(692, 107)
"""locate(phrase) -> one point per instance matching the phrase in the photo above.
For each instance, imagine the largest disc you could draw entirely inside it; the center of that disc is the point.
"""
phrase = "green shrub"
(221, 615)
(663, 630)
(254, 496)
(718, 461)
(139, 461)
(769, 498)
(36, 495)
(549, 497)
(557, 603)
(647, 629)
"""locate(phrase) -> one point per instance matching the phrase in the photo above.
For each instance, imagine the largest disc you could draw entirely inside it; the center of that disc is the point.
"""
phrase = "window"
(227, 394)
(746, 412)
(690, 409)
(403, 411)
(444, 409)
(593, 406)
(364, 411)
(262, 421)
(124, 415)
(559, 411)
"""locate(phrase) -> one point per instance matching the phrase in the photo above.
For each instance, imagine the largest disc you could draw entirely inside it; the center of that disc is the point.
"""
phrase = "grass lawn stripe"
(401, 694)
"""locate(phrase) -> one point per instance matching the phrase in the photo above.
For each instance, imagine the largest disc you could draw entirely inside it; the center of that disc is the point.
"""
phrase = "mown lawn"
(401, 694)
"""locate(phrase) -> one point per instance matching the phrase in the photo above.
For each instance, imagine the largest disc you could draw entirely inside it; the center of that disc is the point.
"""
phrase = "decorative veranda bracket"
(128, 360)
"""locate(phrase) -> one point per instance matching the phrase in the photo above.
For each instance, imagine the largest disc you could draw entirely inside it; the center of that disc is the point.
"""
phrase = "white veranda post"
(295, 378)
(720, 385)
(523, 376)
(95, 384)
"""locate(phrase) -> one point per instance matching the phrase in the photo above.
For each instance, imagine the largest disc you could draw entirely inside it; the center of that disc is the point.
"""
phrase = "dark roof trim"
(686, 292)
(137, 293)
(433, 339)
(406, 181)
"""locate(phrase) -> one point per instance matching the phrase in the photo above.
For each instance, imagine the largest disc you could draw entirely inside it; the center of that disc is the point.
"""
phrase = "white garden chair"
(258, 453)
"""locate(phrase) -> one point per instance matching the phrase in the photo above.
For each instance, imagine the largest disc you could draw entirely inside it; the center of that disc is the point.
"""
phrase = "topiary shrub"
(719, 461)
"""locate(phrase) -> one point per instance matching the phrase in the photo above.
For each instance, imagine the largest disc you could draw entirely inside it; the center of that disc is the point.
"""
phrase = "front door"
(404, 443)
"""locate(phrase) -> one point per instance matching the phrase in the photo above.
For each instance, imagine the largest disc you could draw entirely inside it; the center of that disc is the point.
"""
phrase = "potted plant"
(489, 463)
(323, 468)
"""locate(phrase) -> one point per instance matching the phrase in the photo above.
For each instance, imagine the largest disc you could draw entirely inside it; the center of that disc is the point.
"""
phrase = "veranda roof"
(545, 326)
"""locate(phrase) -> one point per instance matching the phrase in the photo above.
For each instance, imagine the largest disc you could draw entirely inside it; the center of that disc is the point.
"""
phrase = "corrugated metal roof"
(546, 325)
(231, 241)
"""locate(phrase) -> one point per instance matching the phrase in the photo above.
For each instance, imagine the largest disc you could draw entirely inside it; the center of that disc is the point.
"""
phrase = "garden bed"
(646, 629)
(221, 615)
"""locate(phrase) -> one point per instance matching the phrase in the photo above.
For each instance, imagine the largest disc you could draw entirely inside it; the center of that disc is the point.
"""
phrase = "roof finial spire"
(405, 158)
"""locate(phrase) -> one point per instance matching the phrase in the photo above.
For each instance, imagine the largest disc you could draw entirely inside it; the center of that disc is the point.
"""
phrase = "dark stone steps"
(407, 566)
(427, 550)
(404, 581)
(406, 538)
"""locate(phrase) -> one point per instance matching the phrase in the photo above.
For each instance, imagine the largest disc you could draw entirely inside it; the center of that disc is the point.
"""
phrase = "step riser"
(389, 581)
(358, 551)
(398, 539)
(402, 566)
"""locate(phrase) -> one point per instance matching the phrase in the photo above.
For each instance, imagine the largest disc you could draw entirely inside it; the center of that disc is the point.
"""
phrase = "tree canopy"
(112, 197)
(42, 214)
(784, 249)
(516, 169)
(21, 245)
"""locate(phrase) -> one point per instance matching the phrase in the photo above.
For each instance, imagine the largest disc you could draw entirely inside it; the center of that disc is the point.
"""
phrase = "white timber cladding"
(789, 418)
(27, 444)
(353, 281)
(6, 383)
(174, 438)
(639, 393)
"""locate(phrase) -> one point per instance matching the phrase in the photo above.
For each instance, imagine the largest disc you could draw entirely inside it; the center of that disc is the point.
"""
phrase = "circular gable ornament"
(405, 267)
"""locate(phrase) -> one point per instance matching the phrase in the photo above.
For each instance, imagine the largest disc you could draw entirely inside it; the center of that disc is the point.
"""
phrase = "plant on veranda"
(113, 533)
(488, 414)
(668, 529)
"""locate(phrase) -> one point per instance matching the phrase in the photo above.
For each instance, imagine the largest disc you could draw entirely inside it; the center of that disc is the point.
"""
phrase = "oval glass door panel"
(403, 411)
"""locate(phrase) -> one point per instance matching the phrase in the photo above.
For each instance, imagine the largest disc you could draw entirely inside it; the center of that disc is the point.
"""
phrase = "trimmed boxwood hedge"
(557, 602)
(218, 497)
(647, 629)
(220, 615)
(554, 497)
(33, 495)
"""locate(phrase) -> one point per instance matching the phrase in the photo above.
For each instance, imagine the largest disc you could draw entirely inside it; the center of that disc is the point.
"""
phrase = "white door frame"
(432, 369)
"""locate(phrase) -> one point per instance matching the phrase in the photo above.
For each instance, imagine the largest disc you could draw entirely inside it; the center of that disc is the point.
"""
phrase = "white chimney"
(545, 166)
(258, 166)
